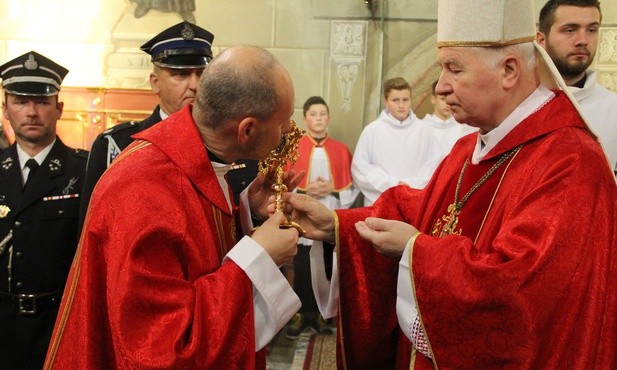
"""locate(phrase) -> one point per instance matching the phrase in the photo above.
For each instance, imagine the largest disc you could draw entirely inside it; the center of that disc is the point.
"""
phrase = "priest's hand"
(387, 236)
(315, 218)
(319, 188)
(259, 191)
(280, 244)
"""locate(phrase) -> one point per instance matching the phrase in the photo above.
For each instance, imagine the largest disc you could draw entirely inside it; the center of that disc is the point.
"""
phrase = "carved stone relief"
(606, 58)
(608, 79)
(347, 51)
(348, 39)
(607, 47)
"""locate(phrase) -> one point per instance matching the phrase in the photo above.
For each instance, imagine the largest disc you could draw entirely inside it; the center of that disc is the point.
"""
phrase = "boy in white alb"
(396, 148)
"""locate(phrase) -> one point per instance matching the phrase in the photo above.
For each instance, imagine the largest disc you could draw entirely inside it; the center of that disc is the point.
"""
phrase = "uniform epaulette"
(80, 153)
(119, 127)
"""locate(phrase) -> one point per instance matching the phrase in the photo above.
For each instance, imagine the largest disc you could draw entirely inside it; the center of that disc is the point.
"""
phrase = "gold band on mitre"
(499, 43)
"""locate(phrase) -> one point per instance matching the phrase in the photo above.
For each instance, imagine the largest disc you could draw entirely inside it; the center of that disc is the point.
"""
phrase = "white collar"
(39, 157)
(583, 93)
(390, 118)
(532, 103)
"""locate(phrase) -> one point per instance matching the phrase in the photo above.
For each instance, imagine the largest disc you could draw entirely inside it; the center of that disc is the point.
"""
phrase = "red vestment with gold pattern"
(340, 167)
(148, 287)
(527, 279)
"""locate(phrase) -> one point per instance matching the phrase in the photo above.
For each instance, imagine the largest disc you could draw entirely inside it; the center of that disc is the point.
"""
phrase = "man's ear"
(541, 39)
(247, 129)
(154, 82)
(60, 108)
(511, 71)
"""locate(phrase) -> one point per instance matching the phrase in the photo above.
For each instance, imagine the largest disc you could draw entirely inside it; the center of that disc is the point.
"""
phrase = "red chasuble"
(148, 288)
(528, 279)
(340, 167)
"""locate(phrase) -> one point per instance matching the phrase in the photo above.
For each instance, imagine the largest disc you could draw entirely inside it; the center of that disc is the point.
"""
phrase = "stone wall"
(341, 50)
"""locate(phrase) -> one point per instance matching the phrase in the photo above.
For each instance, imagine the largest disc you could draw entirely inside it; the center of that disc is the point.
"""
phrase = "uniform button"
(17, 223)
(61, 212)
(18, 254)
(19, 284)
(243, 183)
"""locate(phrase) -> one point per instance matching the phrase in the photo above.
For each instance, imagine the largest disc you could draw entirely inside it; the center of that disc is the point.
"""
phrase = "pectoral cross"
(450, 222)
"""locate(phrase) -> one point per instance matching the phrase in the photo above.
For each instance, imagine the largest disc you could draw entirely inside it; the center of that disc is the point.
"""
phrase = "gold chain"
(459, 205)
(450, 221)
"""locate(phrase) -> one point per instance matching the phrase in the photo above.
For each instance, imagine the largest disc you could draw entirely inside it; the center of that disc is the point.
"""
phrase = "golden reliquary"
(286, 152)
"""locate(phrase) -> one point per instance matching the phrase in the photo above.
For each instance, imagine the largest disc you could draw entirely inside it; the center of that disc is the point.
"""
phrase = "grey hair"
(230, 90)
(493, 55)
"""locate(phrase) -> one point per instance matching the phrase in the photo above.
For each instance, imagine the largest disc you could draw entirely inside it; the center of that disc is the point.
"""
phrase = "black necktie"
(33, 165)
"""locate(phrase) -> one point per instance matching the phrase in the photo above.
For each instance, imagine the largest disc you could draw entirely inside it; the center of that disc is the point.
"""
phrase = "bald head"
(241, 81)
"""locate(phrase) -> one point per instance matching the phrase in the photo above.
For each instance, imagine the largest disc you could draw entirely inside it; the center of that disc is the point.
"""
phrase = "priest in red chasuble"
(508, 258)
(162, 277)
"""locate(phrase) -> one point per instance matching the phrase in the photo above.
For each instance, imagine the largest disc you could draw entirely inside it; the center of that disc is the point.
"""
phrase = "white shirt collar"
(221, 169)
(39, 157)
(532, 103)
(583, 93)
(163, 114)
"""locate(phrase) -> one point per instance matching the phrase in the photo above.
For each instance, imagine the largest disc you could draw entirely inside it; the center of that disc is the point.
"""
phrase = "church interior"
(341, 50)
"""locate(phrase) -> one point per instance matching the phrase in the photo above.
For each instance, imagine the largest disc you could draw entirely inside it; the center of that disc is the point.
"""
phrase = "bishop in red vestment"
(525, 281)
(509, 253)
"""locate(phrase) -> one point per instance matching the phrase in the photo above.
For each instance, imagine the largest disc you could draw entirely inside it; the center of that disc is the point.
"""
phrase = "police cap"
(184, 45)
(32, 74)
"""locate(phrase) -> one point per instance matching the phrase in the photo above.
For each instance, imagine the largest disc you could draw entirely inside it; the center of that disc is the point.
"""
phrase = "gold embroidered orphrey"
(450, 221)
(286, 152)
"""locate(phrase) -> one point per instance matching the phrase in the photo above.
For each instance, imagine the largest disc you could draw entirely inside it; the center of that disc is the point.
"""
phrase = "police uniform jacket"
(42, 220)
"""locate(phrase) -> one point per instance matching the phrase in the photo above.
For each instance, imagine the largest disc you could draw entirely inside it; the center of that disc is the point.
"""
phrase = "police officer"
(40, 184)
(178, 54)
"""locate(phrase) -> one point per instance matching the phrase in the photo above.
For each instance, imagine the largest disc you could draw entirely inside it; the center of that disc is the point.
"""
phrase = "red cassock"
(340, 167)
(529, 283)
(148, 288)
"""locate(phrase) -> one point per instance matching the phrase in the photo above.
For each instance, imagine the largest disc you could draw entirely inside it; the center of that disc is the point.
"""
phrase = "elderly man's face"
(176, 87)
(471, 89)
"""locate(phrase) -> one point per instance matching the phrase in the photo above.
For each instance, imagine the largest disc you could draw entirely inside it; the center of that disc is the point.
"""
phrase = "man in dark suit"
(40, 184)
(179, 55)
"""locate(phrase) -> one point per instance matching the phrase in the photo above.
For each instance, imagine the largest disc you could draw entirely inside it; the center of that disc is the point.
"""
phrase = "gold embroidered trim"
(486, 43)
(413, 288)
(338, 262)
(140, 144)
(494, 195)
(70, 296)
(220, 230)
